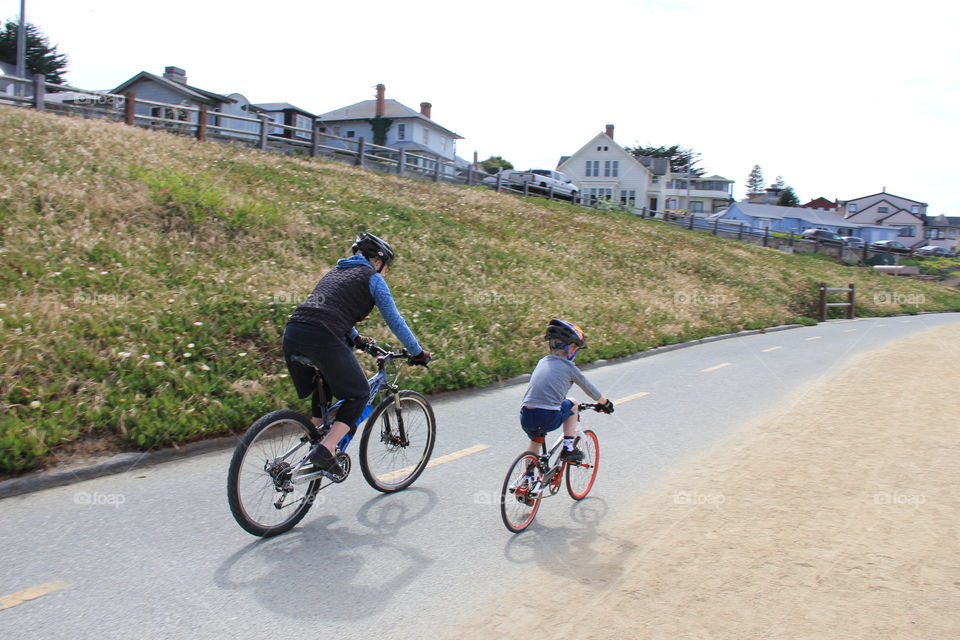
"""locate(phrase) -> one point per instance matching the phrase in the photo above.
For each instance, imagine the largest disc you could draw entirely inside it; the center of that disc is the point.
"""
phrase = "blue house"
(173, 89)
(797, 219)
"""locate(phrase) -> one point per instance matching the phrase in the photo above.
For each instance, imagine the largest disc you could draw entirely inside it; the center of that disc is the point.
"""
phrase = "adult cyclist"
(322, 328)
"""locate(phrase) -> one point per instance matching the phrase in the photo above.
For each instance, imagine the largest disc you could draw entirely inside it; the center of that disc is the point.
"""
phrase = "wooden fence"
(850, 290)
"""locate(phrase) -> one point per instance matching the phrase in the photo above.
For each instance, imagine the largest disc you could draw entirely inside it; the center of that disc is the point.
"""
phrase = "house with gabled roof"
(821, 203)
(389, 123)
(287, 114)
(941, 231)
(172, 88)
(799, 219)
(603, 170)
(888, 210)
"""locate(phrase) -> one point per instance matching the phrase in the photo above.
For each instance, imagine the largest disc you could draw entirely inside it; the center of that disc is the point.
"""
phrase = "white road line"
(848, 330)
(715, 367)
(813, 338)
(633, 397)
(450, 457)
(770, 349)
(30, 593)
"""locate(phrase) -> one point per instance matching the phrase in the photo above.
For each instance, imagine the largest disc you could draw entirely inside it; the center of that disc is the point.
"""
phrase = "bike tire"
(516, 511)
(580, 477)
(250, 487)
(389, 465)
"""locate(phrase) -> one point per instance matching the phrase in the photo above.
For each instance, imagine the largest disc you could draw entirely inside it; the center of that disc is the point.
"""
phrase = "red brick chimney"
(610, 131)
(425, 109)
(381, 106)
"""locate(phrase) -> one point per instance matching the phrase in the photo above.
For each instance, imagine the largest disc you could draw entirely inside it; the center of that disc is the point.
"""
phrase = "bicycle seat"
(304, 360)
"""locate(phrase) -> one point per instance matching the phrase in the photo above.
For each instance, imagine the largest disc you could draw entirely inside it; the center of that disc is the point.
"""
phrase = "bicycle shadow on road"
(571, 551)
(326, 570)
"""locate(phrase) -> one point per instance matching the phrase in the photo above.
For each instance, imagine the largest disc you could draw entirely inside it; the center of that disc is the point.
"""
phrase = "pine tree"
(41, 57)
(755, 180)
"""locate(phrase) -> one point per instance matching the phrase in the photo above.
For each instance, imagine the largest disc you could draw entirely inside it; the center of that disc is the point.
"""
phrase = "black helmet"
(566, 332)
(373, 247)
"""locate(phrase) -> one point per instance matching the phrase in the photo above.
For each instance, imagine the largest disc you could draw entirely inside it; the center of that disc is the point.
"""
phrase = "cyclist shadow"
(570, 551)
(326, 570)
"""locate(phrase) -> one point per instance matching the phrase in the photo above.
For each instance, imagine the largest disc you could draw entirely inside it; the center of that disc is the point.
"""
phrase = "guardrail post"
(822, 310)
(401, 162)
(499, 182)
(39, 90)
(716, 225)
(264, 132)
(436, 170)
(361, 152)
(690, 223)
(791, 239)
(202, 123)
(850, 300)
(766, 238)
(315, 141)
(526, 188)
(550, 193)
(740, 232)
(473, 167)
(130, 108)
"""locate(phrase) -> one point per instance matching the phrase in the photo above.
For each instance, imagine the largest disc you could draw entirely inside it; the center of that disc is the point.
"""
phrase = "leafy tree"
(41, 56)
(788, 198)
(494, 164)
(755, 180)
(681, 160)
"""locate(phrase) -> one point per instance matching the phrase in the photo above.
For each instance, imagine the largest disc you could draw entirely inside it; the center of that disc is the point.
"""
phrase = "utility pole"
(21, 48)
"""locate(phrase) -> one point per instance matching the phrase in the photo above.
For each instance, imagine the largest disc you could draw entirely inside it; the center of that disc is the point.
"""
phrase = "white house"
(401, 128)
(602, 169)
(6, 87)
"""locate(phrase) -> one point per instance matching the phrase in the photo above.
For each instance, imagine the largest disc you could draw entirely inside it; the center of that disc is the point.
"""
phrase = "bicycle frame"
(552, 473)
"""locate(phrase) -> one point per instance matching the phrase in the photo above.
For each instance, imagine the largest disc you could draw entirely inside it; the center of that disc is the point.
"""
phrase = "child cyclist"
(545, 405)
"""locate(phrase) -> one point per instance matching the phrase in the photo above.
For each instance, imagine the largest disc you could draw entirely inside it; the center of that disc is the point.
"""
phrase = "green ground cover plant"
(145, 280)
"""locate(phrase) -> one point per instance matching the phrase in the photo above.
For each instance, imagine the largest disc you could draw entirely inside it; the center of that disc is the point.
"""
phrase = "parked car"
(853, 242)
(889, 245)
(547, 179)
(506, 178)
(822, 235)
(932, 250)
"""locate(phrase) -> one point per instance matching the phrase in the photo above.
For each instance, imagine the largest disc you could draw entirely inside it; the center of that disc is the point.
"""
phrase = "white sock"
(568, 443)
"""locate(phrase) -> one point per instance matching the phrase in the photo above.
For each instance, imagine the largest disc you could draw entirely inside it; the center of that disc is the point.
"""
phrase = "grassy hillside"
(146, 279)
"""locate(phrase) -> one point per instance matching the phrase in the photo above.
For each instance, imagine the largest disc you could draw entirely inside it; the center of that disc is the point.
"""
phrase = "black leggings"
(338, 366)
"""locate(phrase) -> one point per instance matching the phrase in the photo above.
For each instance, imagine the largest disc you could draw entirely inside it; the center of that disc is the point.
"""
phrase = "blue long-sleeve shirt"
(382, 297)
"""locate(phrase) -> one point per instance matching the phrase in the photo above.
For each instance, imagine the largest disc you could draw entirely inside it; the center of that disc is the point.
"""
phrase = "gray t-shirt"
(552, 379)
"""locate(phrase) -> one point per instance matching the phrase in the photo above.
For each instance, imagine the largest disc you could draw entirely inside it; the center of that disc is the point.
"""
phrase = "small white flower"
(145, 356)
(198, 324)
(242, 353)
(190, 346)
(204, 367)
(35, 404)
(103, 273)
(187, 354)
(124, 354)
(159, 363)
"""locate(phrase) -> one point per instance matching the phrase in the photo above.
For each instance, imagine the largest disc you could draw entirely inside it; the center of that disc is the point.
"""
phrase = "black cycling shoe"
(323, 460)
(573, 456)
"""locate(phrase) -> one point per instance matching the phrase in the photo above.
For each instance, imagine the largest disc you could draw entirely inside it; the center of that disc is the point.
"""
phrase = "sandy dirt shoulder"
(834, 517)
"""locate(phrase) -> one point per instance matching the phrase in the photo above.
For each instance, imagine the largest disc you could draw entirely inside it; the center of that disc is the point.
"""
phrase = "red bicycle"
(522, 491)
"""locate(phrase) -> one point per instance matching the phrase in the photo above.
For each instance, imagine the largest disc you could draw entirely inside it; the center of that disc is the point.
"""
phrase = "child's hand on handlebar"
(604, 407)
(421, 359)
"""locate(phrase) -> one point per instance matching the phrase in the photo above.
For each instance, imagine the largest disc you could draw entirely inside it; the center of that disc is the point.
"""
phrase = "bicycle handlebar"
(590, 405)
(384, 354)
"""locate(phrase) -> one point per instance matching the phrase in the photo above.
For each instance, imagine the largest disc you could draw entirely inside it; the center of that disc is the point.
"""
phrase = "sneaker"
(573, 456)
(525, 480)
(323, 460)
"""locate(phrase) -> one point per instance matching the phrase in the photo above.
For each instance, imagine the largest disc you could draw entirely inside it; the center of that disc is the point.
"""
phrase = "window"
(600, 193)
(611, 168)
(426, 136)
(852, 207)
(951, 234)
(671, 203)
(696, 206)
(907, 232)
(593, 168)
(883, 209)
(915, 208)
(350, 134)
(401, 132)
(302, 122)
(336, 131)
(628, 198)
(656, 179)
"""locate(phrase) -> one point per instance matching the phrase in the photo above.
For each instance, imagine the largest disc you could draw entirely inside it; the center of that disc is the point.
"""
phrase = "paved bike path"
(155, 552)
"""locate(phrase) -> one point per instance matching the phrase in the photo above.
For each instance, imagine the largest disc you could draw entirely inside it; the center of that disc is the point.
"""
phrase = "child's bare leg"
(570, 424)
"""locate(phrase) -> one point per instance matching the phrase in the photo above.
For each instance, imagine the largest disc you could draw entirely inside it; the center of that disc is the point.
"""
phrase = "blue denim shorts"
(538, 422)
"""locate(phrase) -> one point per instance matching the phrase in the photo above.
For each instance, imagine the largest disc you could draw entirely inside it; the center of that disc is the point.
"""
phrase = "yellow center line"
(813, 338)
(771, 349)
(450, 457)
(633, 397)
(715, 367)
(30, 593)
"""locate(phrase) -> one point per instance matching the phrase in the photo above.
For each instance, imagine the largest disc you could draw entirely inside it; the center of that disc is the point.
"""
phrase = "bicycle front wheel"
(518, 503)
(397, 442)
(262, 496)
(580, 477)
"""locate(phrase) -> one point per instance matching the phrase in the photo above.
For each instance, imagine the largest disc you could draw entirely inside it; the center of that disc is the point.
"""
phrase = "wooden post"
(436, 170)
(401, 162)
(264, 132)
(716, 225)
(766, 238)
(130, 108)
(740, 233)
(850, 300)
(39, 91)
(690, 223)
(550, 192)
(315, 141)
(361, 152)
(473, 167)
(202, 123)
(791, 239)
(526, 188)
(822, 311)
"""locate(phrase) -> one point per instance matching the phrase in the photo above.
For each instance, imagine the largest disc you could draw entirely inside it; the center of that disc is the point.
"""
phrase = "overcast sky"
(843, 98)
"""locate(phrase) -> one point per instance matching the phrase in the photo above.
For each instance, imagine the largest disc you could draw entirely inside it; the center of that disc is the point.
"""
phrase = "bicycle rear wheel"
(263, 499)
(580, 477)
(397, 443)
(517, 506)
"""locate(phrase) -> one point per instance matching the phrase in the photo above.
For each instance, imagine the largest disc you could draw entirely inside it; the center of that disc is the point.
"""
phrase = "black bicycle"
(532, 478)
(271, 483)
